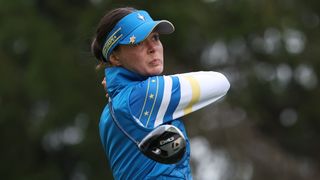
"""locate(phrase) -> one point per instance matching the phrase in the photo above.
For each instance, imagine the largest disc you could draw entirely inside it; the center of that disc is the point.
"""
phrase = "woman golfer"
(140, 129)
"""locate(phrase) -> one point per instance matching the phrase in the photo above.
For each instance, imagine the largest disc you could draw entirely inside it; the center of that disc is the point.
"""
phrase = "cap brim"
(143, 31)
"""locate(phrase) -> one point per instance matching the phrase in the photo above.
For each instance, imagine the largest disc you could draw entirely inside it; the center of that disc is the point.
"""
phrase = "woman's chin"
(156, 70)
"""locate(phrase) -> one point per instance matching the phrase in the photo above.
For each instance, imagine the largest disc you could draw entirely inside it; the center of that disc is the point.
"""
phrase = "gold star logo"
(132, 39)
(141, 17)
(146, 113)
(151, 96)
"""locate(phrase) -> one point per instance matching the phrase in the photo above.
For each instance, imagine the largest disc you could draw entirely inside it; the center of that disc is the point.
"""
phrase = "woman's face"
(145, 58)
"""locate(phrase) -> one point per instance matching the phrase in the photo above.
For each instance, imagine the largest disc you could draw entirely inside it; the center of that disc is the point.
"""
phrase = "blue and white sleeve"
(160, 99)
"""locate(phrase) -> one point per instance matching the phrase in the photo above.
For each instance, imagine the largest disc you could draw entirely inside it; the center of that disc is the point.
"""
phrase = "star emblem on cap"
(141, 17)
(132, 39)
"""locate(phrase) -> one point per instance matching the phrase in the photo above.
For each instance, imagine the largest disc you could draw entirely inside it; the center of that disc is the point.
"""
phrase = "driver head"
(165, 144)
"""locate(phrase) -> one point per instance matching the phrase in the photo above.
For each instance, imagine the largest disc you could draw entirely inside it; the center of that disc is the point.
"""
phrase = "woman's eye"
(156, 37)
(135, 45)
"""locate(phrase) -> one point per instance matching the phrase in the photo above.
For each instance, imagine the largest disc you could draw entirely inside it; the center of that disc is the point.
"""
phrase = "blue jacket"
(142, 103)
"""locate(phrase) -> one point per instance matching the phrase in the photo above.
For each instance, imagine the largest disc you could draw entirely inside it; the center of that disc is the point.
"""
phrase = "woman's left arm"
(161, 99)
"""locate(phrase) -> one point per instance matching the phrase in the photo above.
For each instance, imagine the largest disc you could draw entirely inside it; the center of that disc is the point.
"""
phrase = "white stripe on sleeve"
(165, 100)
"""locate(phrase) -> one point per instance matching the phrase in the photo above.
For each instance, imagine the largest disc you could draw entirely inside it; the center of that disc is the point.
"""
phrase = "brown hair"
(106, 25)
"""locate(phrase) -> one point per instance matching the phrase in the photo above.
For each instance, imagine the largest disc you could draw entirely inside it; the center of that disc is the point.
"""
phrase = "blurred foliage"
(267, 126)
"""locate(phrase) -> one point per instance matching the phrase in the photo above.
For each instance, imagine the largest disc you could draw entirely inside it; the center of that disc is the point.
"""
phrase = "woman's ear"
(114, 59)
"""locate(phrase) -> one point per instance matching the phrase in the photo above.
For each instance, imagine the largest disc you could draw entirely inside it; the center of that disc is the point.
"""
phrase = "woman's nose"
(151, 45)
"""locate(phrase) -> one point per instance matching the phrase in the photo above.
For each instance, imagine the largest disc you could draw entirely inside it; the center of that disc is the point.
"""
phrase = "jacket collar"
(118, 78)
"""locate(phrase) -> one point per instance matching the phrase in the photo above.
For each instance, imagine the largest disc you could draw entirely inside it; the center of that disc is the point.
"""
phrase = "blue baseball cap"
(132, 29)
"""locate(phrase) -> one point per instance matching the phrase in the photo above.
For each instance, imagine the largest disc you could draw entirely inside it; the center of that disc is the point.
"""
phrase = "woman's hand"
(104, 84)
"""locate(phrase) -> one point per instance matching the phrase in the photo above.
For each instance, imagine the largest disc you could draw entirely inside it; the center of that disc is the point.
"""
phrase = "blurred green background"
(266, 128)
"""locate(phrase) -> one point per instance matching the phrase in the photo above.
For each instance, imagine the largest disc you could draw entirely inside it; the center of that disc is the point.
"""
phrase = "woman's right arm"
(160, 99)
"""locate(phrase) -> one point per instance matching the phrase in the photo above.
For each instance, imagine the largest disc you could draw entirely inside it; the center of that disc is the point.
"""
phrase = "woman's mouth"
(156, 62)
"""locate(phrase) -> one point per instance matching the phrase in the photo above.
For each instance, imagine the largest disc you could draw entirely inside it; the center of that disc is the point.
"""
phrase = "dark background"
(267, 127)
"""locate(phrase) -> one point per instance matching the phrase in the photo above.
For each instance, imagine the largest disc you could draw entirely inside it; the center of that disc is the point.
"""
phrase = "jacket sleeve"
(160, 99)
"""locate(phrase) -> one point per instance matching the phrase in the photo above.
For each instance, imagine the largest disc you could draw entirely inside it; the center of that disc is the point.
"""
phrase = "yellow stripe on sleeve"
(195, 87)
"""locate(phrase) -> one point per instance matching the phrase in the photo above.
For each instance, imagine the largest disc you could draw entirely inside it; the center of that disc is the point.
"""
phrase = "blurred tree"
(266, 127)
